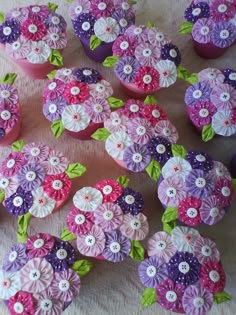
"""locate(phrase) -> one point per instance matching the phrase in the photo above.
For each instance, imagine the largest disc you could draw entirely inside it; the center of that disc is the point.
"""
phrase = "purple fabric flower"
(152, 271)
(197, 11)
(2, 133)
(140, 130)
(18, 15)
(66, 75)
(204, 250)
(172, 53)
(117, 246)
(97, 109)
(223, 96)
(84, 25)
(8, 95)
(124, 19)
(199, 184)
(184, 268)
(140, 33)
(20, 202)
(212, 76)
(200, 160)
(201, 113)
(56, 20)
(210, 211)
(15, 258)
(9, 32)
(136, 157)
(126, 69)
(201, 31)
(130, 201)
(124, 46)
(38, 12)
(31, 176)
(197, 93)
(62, 256)
(223, 34)
(53, 89)
(160, 149)
(230, 77)
(87, 75)
(53, 109)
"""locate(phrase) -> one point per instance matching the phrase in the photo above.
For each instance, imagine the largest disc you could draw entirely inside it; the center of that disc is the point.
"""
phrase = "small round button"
(204, 112)
(156, 113)
(198, 302)
(219, 172)
(5, 115)
(90, 240)
(134, 108)
(124, 45)
(200, 158)
(135, 224)
(100, 88)
(52, 86)
(78, 9)
(137, 30)
(151, 271)
(102, 6)
(160, 36)
(225, 97)
(123, 22)
(214, 276)
(34, 275)
(86, 26)
(222, 8)
(18, 201)
(192, 213)
(171, 296)
(54, 37)
(55, 20)
(197, 94)
(57, 184)
(54, 160)
(61, 254)
(108, 215)
(67, 72)
(147, 79)
(75, 90)
(166, 132)
(46, 305)
(224, 34)
(160, 148)
(184, 267)
(36, 9)
(147, 52)
(171, 192)
(196, 11)
(32, 28)
(115, 247)
(35, 151)
(232, 76)
(173, 53)
(137, 158)
(7, 31)
(128, 69)
(15, 14)
(98, 108)
(129, 199)
(225, 191)
(4, 183)
(141, 131)
(79, 219)
(30, 176)
(12, 256)
(38, 243)
(18, 308)
(205, 30)
(161, 245)
(64, 285)
(125, 6)
(206, 250)
(5, 94)
(200, 182)
(107, 189)
(214, 212)
(87, 72)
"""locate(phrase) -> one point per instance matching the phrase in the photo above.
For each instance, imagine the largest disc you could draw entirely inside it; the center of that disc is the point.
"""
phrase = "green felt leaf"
(75, 170)
(132, 2)
(101, 134)
(66, 235)
(208, 133)
(52, 74)
(150, 99)
(137, 251)
(234, 183)
(115, 102)
(149, 297)
(56, 58)
(94, 42)
(9, 78)
(154, 170)
(123, 181)
(170, 214)
(186, 28)
(82, 267)
(18, 145)
(151, 25)
(192, 78)
(110, 61)
(182, 73)
(2, 196)
(222, 297)
(57, 128)
(23, 223)
(178, 150)
(2, 17)
(52, 6)
(168, 227)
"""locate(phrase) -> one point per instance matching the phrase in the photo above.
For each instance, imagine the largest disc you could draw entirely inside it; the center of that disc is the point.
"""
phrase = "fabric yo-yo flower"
(8, 95)
(153, 113)
(18, 15)
(147, 79)
(40, 53)
(35, 152)
(108, 216)
(46, 302)
(157, 38)
(12, 164)
(21, 303)
(211, 210)
(135, 227)
(184, 238)
(201, 113)
(205, 250)
(15, 258)
(223, 124)
(212, 276)
(20, 202)
(197, 11)
(87, 75)
(38, 12)
(106, 29)
(33, 30)
(18, 49)
(101, 8)
(76, 92)
(188, 211)
(116, 122)
(167, 72)
(130, 201)
(199, 184)
(117, 143)
(79, 222)
(202, 30)
(9, 117)
(222, 10)
(224, 192)
(200, 160)
(126, 69)
(230, 77)
(124, 46)
(140, 130)
(97, 109)
(172, 53)
(84, 25)
(110, 189)
(133, 109)
(31, 176)
(147, 55)
(165, 129)
(78, 7)
(176, 167)
(54, 89)
(42, 204)
(55, 163)
(212, 76)
(57, 186)
(56, 20)
(223, 34)
(223, 96)
(66, 75)
(101, 89)
(74, 118)
(55, 38)
(160, 149)
(9, 284)
(88, 199)
(136, 157)
(197, 93)
(39, 245)
(9, 32)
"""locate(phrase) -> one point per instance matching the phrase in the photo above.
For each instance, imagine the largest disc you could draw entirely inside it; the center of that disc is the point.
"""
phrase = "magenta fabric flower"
(55, 38)
(201, 113)
(212, 76)
(76, 92)
(110, 189)
(154, 114)
(147, 79)
(124, 46)
(9, 117)
(21, 303)
(31, 176)
(171, 191)
(12, 164)
(219, 171)
(147, 55)
(97, 109)
(140, 33)
(222, 10)
(79, 222)
(116, 122)
(45, 303)
(212, 276)
(57, 186)
(223, 96)
(165, 129)
(108, 216)
(224, 192)
(18, 49)
(55, 163)
(140, 130)
(101, 8)
(205, 250)
(39, 245)
(201, 31)
(38, 12)
(8, 95)
(157, 38)
(102, 89)
(133, 108)
(188, 211)
(33, 30)
(135, 227)
(136, 157)
(53, 89)
(211, 210)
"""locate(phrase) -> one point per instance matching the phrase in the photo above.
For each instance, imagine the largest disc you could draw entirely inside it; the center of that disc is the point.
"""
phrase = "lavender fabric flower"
(9, 32)
(84, 25)
(130, 201)
(152, 271)
(126, 69)
(124, 19)
(172, 53)
(136, 157)
(200, 160)
(230, 77)
(117, 246)
(202, 31)
(20, 202)
(15, 258)
(197, 11)
(223, 34)
(160, 149)
(184, 268)
(2, 133)
(53, 109)
(197, 93)
(31, 176)
(87, 75)
(211, 211)
(56, 20)
(199, 184)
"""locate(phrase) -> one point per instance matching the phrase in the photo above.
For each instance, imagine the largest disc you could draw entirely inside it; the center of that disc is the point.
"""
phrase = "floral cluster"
(212, 101)
(34, 33)
(183, 271)
(106, 219)
(103, 19)
(212, 21)
(195, 189)
(77, 97)
(39, 277)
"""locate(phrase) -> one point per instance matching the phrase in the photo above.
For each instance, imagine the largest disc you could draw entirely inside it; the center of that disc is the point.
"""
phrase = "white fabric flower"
(222, 123)
(40, 52)
(106, 29)
(74, 118)
(87, 199)
(117, 143)
(176, 166)
(42, 204)
(184, 238)
(167, 71)
(9, 284)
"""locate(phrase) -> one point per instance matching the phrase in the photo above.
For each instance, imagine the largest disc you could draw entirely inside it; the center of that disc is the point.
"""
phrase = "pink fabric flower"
(39, 245)
(8, 185)
(147, 55)
(9, 117)
(204, 250)
(19, 49)
(212, 276)
(160, 245)
(211, 211)
(124, 46)
(76, 92)
(8, 95)
(147, 79)
(38, 12)
(36, 275)
(12, 164)
(57, 186)
(55, 163)
(224, 192)
(79, 222)
(47, 304)
(133, 108)
(35, 152)
(102, 89)
(101, 8)
(219, 171)
(154, 114)
(108, 216)
(188, 211)
(135, 227)
(171, 191)
(157, 38)
(212, 76)
(55, 38)
(139, 33)
(78, 7)
(222, 10)
(201, 113)
(53, 89)
(223, 96)
(140, 130)
(110, 189)
(33, 30)
(65, 75)
(165, 129)
(19, 15)
(116, 122)
(92, 243)
(97, 109)
(21, 303)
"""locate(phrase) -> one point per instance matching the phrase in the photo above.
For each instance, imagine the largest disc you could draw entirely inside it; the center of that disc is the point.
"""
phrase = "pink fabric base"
(132, 91)
(121, 163)
(86, 133)
(208, 51)
(199, 129)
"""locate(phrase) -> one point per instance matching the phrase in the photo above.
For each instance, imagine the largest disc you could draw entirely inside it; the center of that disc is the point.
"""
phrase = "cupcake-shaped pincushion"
(183, 272)
(10, 110)
(211, 102)
(107, 221)
(77, 100)
(212, 25)
(139, 136)
(194, 189)
(98, 23)
(35, 180)
(41, 276)
(34, 38)
(145, 60)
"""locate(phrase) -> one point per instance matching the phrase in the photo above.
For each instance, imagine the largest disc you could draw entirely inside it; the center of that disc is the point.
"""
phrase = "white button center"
(184, 267)
(87, 72)
(32, 28)
(54, 160)
(171, 192)
(129, 199)
(151, 271)
(115, 247)
(204, 113)
(107, 189)
(79, 219)
(75, 90)
(128, 69)
(18, 201)
(197, 94)
(173, 53)
(7, 31)
(124, 45)
(147, 52)
(5, 94)
(5, 115)
(205, 30)
(147, 79)
(52, 108)
(90, 240)
(67, 72)
(78, 9)
(13, 255)
(156, 113)
(4, 183)
(159, 36)
(225, 97)
(137, 158)
(64, 285)
(36, 9)
(206, 250)
(46, 305)
(38, 243)
(141, 131)
(171, 296)
(123, 22)
(30, 176)
(16, 14)
(108, 215)
(86, 26)
(98, 108)
(198, 302)
(224, 34)
(102, 6)
(137, 30)
(135, 224)
(18, 308)
(232, 76)
(225, 191)
(200, 182)
(134, 108)
(196, 11)
(192, 213)
(34, 275)
(61, 254)
(214, 212)
(214, 276)
(100, 88)
(35, 151)
(160, 148)
(125, 6)
(222, 8)
(52, 86)
(166, 132)
(200, 158)
(55, 20)
(57, 184)
(161, 245)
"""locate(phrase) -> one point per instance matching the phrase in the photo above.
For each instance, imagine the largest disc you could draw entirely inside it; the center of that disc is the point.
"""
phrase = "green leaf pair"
(178, 150)
(57, 128)
(2, 17)
(149, 297)
(150, 25)
(52, 74)
(222, 297)
(208, 133)
(137, 251)
(56, 58)
(9, 78)
(94, 42)
(23, 223)
(52, 6)
(123, 181)
(17, 146)
(182, 73)
(115, 102)
(154, 170)
(101, 134)
(169, 218)
(150, 99)
(82, 267)
(110, 61)
(75, 170)
(66, 235)
(186, 28)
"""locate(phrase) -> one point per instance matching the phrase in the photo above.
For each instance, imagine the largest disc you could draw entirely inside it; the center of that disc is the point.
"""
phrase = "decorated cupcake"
(41, 276)
(35, 180)
(183, 272)
(212, 24)
(139, 136)
(211, 102)
(107, 221)
(194, 189)
(77, 100)
(10, 110)
(98, 23)
(34, 38)
(145, 60)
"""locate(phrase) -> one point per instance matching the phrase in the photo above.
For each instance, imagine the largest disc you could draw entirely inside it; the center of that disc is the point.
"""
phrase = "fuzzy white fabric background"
(112, 289)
